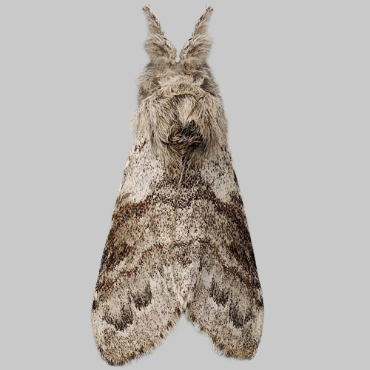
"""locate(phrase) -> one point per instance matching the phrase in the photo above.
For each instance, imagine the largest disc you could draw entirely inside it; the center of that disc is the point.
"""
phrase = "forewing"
(214, 253)
(134, 303)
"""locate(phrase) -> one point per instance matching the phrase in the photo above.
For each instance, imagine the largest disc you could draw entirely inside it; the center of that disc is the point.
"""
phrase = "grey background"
(294, 76)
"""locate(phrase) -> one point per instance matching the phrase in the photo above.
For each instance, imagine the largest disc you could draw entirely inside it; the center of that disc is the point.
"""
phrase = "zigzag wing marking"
(135, 304)
(213, 258)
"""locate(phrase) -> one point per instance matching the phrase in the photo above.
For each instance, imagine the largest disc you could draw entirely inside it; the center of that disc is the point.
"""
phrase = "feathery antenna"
(159, 49)
(197, 48)
(201, 25)
(153, 22)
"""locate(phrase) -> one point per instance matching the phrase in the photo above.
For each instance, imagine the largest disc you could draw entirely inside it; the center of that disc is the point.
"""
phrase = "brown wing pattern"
(135, 304)
(179, 240)
(214, 265)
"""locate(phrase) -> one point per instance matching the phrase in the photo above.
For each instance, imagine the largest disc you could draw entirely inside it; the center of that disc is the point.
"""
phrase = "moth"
(179, 240)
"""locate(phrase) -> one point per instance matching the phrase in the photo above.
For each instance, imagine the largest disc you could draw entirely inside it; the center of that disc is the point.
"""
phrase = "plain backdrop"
(294, 77)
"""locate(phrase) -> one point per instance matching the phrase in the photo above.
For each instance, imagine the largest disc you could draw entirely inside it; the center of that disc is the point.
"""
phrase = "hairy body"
(179, 240)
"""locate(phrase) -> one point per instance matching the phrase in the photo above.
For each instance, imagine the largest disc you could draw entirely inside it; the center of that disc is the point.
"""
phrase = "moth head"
(162, 54)
(180, 108)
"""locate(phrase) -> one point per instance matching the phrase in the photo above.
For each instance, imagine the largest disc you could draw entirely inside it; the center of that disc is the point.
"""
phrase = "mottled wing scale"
(214, 264)
(179, 239)
(135, 279)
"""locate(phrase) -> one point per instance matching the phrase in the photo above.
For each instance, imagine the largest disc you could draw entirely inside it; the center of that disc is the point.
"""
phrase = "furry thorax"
(179, 241)
(180, 109)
